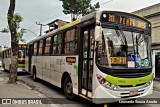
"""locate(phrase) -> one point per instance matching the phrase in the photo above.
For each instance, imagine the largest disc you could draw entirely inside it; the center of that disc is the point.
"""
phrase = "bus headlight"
(148, 83)
(105, 83)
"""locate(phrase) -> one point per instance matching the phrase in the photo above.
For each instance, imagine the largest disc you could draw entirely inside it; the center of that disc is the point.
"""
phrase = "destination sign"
(22, 46)
(125, 19)
(118, 60)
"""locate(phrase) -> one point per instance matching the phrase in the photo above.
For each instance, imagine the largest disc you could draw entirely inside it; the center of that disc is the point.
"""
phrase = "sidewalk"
(156, 85)
(19, 90)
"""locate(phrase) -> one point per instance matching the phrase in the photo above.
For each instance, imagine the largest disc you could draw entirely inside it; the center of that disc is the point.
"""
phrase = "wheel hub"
(69, 88)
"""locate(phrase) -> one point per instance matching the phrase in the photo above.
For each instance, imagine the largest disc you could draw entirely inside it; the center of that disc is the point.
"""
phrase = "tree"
(13, 27)
(78, 7)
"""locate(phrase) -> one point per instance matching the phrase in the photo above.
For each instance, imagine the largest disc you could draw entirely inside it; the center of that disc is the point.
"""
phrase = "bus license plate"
(134, 92)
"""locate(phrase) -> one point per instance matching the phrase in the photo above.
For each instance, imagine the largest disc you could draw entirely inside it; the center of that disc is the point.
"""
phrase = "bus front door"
(86, 60)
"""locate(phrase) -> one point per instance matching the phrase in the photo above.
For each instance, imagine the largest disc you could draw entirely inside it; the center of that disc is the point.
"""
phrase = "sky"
(45, 11)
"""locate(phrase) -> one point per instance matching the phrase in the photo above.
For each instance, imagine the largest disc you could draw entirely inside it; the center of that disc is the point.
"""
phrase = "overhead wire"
(60, 14)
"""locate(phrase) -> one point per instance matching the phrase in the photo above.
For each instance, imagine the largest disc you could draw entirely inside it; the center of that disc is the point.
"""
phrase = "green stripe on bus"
(76, 67)
(128, 81)
(21, 65)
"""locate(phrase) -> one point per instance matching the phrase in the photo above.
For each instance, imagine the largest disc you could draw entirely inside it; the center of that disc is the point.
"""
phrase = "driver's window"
(102, 52)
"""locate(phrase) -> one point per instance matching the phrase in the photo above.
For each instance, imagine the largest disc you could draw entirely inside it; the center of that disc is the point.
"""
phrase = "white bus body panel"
(39, 60)
(51, 69)
(56, 73)
(7, 63)
(46, 71)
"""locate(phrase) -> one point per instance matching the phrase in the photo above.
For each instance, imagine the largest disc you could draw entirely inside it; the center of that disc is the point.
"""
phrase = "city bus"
(6, 59)
(103, 57)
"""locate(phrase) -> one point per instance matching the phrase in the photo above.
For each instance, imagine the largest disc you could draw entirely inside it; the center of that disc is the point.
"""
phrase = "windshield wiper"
(141, 40)
(123, 36)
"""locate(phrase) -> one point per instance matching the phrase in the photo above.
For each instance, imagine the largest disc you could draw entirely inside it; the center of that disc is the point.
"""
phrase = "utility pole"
(38, 23)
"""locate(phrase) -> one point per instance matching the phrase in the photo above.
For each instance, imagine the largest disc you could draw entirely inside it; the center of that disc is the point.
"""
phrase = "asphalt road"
(53, 92)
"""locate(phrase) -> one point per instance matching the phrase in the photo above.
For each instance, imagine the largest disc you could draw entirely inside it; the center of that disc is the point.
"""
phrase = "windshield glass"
(21, 53)
(124, 49)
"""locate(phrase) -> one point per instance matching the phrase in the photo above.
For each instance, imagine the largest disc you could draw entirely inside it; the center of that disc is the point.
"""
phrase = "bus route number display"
(71, 59)
(129, 21)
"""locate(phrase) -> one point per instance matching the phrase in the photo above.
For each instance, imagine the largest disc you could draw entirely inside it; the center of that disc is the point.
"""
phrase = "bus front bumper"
(20, 69)
(104, 95)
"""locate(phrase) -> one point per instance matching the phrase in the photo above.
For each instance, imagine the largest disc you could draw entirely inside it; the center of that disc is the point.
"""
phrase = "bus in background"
(103, 57)
(6, 60)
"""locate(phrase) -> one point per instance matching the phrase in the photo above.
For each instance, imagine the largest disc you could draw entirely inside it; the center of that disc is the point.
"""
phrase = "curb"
(31, 87)
(156, 89)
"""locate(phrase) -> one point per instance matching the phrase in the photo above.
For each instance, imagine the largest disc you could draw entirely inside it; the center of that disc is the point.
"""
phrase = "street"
(53, 92)
(97, 51)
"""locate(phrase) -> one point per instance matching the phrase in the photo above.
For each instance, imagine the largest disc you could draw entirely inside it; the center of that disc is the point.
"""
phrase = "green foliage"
(20, 34)
(5, 30)
(91, 8)
(15, 24)
(78, 7)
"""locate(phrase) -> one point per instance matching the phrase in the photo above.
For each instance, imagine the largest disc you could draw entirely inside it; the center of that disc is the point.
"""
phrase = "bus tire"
(10, 68)
(34, 75)
(68, 88)
(4, 68)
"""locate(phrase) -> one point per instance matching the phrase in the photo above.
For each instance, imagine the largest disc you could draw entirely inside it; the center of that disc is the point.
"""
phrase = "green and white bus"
(6, 58)
(104, 56)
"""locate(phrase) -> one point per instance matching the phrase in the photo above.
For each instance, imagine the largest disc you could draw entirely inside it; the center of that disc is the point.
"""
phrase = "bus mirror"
(98, 32)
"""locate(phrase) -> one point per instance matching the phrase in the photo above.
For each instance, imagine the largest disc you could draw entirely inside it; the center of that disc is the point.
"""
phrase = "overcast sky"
(45, 11)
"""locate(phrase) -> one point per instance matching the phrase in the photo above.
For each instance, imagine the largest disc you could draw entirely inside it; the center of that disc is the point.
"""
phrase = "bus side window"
(35, 48)
(70, 42)
(40, 47)
(57, 44)
(47, 46)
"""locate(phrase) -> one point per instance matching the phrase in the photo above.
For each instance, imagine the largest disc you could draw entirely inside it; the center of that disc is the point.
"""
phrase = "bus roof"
(94, 15)
(5, 49)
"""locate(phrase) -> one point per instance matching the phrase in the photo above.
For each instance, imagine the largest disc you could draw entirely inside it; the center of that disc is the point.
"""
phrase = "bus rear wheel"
(68, 88)
(34, 75)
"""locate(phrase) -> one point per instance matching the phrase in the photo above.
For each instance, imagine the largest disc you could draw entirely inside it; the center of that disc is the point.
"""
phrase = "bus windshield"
(124, 49)
(21, 53)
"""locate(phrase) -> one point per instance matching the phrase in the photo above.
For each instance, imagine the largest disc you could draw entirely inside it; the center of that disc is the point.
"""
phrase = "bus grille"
(130, 74)
(126, 95)
(127, 86)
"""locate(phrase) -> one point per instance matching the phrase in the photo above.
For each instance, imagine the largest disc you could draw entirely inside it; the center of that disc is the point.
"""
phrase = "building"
(55, 24)
(152, 13)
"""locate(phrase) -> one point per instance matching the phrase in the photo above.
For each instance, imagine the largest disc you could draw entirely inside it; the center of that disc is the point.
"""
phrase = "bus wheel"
(9, 68)
(68, 88)
(34, 74)
(4, 68)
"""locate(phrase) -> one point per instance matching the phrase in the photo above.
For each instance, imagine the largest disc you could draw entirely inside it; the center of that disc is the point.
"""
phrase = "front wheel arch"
(34, 74)
(66, 81)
